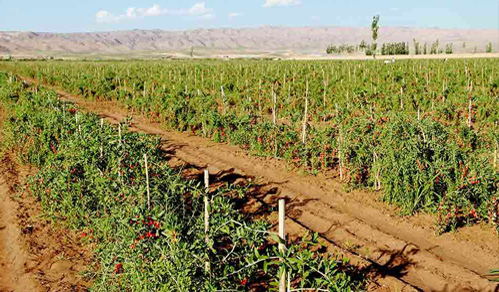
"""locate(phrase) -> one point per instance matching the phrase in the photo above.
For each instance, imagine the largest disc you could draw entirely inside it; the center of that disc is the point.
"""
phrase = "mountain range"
(264, 40)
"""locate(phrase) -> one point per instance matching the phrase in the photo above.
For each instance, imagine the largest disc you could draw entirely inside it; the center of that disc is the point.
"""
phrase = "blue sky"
(104, 15)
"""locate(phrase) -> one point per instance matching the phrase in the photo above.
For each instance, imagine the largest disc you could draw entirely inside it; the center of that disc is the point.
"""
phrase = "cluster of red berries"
(153, 231)
(118, 268)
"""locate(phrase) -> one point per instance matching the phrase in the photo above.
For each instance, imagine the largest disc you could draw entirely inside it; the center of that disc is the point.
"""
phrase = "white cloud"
(103, 16)
(271, 3)
(155, 10)
(198, 10)
(234, 15)
(207, 16)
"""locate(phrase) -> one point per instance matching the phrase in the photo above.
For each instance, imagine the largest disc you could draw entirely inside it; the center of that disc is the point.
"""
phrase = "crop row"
(92, 177)
(424, 133)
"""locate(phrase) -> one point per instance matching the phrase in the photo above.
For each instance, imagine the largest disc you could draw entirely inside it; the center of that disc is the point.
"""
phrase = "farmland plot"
(422, 133)
(148, 223)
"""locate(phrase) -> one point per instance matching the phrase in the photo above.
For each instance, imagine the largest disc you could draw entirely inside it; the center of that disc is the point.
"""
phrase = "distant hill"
(266, 39)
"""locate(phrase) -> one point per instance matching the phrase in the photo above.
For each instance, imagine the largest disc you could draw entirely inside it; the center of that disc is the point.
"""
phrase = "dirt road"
(34, 255)
(404, 254)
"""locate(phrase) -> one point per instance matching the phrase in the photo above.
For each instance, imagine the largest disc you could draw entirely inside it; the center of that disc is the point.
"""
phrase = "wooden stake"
(401, 98)
(147, 184)
(304, 130)
(119, 134)
(274, 106)
(260, 96)
(223, 99)
(101, 146)
(495, 155)
(469, 114)
(282, 236)
(377, 184)
(340, 156)
(207, 267)
(325, 87)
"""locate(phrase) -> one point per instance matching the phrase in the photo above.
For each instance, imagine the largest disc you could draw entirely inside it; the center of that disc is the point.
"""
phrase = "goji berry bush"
(424, 133)
(92, 178)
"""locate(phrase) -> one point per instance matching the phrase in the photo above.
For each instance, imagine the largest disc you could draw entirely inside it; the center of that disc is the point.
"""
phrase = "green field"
(424, 134)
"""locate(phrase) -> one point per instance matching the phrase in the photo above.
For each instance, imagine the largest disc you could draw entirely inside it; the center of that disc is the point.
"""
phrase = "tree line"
(396, 48)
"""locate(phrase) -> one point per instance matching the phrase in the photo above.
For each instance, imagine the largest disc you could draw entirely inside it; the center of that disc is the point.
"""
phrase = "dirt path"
(356, 223)
(12, 255)
(34, 256)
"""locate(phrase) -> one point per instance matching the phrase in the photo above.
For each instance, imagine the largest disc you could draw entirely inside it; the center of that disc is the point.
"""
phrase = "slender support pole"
(495, 155)
(207, 267)
(282, 236)
(119, 134)
(469, 113)
(101, 143)
(304, 130)
(223, 99)
(401, 98)
(147, 183)
(260, 96)
(274, 106)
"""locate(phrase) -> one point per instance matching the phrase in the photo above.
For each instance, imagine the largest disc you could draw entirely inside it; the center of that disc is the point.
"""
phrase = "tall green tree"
(374, 29)
(488, 49)
(417, 47)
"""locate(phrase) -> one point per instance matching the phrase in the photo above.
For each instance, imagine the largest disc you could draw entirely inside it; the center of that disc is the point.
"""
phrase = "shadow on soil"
(260, 201)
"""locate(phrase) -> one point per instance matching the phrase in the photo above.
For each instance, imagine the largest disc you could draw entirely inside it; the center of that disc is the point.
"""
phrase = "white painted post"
(469, 114)
(223, 99)
(147, 184)
(304, 130)
(340, 141)
(282, 236)
(101, 143)
(119, 134)
(260, 96)
(119, 158)
(340, 154)
(79, 126)
(274, 106)
(401, 98)
(495, 155)
(206, 217)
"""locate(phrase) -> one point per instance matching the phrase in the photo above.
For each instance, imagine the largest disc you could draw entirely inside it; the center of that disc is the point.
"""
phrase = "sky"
(111, 15)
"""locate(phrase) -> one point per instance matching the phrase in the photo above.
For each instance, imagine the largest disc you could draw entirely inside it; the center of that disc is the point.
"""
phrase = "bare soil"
(399, 253)
(34, 254)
